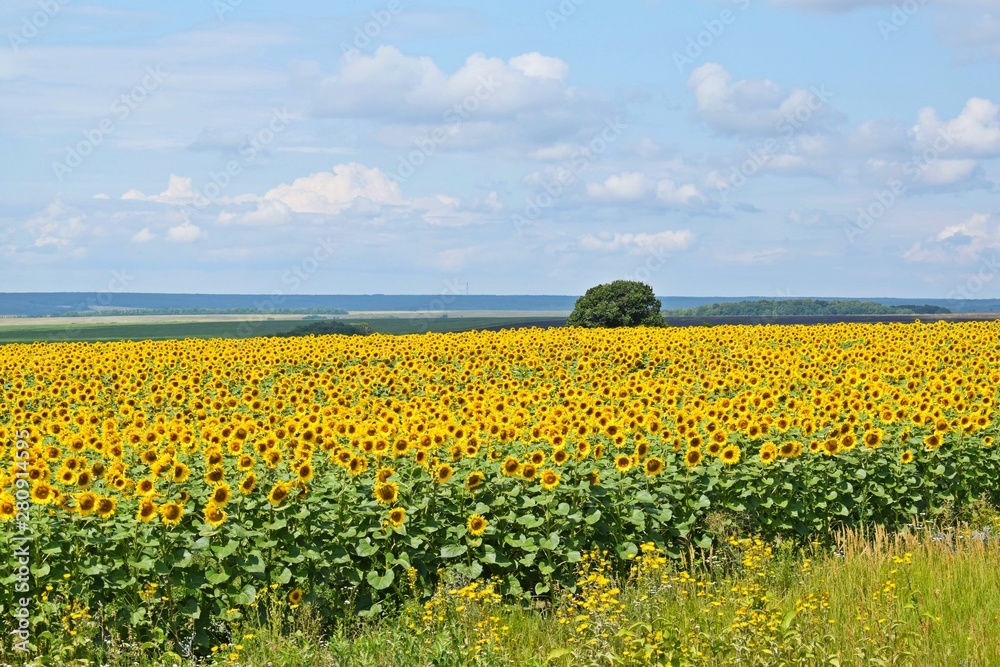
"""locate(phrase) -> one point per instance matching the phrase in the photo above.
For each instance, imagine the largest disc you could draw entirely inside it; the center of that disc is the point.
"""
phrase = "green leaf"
(593, 517)
(381, 581)
(453, 550)
(216, 577)
(365, 548)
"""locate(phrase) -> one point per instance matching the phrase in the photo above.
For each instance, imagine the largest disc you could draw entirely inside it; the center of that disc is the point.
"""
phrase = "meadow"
(482, 489)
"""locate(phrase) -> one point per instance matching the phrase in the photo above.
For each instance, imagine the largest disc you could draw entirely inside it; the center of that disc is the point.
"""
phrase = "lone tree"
(623, 303)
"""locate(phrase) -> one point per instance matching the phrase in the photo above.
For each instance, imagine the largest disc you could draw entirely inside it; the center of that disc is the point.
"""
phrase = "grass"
(925, 598)
(238, 329)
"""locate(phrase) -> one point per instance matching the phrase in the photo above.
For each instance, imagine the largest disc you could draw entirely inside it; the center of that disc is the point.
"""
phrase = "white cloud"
(56, 225)
(330, 192)
(179, 191)
(264, 214)
(185, 232)
(975, 132)
(643, 243)
(756, 106)
(537, 65)
(143, 236)
(962, 243)
(629, 186)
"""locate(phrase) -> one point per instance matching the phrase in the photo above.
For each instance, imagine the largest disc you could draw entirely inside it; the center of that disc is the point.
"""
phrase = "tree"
(623, 303)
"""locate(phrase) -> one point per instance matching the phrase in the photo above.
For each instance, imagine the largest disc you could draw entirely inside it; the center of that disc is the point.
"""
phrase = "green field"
(181, 330)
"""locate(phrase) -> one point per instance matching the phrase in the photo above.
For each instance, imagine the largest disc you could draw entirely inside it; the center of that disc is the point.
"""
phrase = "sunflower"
(529, 471)
(692, 458)
(246, 462)
(653, 466)
(397, 517)
(106, 506)
(171, 513)
(86, 502)
(248, 484)
(537, 457)
(594, 477)
(787, 449)
(511, 466)
(295, 597)
(180, 473)
(8, 506)
(221, 495)
(768, 453)
(214, 515)
(386, 493)
(623, 463)
(831, 446)
(477, 525)
(384, 474)
(906, 457)
(549, 479)
(278, 493)
(933, 441)
(444, 473)
(357, 465)
(304, 472)
(560, 456)
(474, 480)
(582, 449)
(43, 493)
(147, 510)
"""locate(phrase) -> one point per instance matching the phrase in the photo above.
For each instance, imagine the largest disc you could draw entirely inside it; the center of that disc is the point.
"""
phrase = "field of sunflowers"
(172, 484)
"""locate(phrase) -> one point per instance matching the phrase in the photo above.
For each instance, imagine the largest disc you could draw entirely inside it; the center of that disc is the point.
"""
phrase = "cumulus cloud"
(56, 225)
(637, 244)
(186, 232)
(975, 132)
(757, 106)
(143, 236)
(179, 191)
(637, 187)
(330, 192)
(964, 242)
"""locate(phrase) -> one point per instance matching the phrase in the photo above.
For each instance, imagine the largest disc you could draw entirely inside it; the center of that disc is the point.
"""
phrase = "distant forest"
(803, 307)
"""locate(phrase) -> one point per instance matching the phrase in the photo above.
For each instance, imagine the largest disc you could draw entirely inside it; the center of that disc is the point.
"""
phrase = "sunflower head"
(444, 473)
(477, 525)
(386, 492)
(248, 484)
(86, 502)
(295, 597)
(623, 462)
(214, 515)
(906, 457)
(397, 517)
(730, 455)
(549, 479)
(106, 506)
(171, 513)
(147, 510)
(278, 494)
(653, 466)
(692, 458)
(474, 480)
(511, 466)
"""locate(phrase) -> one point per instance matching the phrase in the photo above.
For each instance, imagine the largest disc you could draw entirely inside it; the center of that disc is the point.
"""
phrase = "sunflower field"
(172, 484)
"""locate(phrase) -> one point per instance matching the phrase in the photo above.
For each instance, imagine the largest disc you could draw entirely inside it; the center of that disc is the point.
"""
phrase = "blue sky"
(766, 147)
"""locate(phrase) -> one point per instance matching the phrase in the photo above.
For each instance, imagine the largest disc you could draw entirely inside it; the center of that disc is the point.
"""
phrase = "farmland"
(180, 487)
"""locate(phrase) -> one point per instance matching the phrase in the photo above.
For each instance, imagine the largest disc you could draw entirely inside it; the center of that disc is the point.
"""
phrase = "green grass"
(235, 329)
